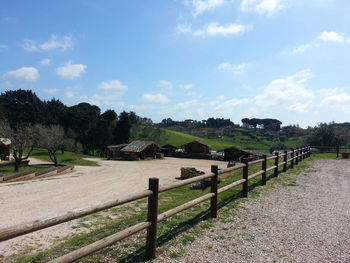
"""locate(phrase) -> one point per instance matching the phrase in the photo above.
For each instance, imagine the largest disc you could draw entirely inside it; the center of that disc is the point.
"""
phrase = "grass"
(65, 158)
(191, 222)
(177, 138)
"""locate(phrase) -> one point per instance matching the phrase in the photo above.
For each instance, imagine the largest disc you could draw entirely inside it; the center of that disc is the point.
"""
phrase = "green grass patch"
(65, 158)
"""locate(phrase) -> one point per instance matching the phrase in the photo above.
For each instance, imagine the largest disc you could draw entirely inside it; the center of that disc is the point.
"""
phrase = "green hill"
(240, 138)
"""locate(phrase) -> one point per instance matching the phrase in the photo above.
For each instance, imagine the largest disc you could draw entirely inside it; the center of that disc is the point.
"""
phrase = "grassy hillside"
(240, 139)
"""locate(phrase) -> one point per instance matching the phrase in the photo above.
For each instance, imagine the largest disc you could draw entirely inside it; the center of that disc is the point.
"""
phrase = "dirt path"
(43, 198)
(307, 220)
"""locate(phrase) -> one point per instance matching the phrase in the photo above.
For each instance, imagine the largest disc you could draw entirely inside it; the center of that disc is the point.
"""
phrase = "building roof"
(167, 146)
(196, 141)
(5, 141)
(116, 146)
(138, 146)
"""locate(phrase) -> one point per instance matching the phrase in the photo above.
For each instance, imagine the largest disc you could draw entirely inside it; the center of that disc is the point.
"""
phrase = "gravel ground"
(44, 198)
(306, 220)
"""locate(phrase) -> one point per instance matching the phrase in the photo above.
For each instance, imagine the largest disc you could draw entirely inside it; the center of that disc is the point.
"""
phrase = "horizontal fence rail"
(292, 158)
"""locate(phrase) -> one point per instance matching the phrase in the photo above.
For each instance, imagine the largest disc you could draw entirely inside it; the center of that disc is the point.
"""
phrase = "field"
(240, 140)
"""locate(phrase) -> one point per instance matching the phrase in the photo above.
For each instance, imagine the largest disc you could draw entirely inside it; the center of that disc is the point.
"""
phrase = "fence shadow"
(140, 254)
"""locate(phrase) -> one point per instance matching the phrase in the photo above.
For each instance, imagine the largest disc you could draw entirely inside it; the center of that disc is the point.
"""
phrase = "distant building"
(139, 150)
(196, 147)
(5, 149)
(236, 154)
(114, 151)
(168, 150)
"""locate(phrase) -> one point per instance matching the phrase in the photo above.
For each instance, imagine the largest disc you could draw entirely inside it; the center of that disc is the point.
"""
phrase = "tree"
(53, 139)
(21, 107)
(122, 129)
(22, 138)
(328, 135)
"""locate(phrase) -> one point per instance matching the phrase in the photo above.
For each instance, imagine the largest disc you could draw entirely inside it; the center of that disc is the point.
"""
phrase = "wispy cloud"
(235, 69)
(51, 91)
(155, 98)
(71, 71)
(262, 7)
(201, 6)
(214, 29)
(324, 37)
(55, 42)
(113, 85)
(45, 62)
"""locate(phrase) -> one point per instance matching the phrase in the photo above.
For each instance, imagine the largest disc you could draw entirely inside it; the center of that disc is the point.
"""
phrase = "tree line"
(189, 123)
(29, 121)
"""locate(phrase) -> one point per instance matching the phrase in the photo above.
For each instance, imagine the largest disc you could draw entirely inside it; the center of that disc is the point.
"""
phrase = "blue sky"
(182, 59)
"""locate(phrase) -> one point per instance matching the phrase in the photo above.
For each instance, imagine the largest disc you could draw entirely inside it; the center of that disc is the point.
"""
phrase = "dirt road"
(38, 199)
(304, 220)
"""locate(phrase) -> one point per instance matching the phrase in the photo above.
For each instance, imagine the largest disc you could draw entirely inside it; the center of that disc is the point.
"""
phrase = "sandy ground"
(306, 220)
(39, 199)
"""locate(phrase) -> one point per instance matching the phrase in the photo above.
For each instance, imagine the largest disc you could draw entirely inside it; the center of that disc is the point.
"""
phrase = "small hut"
(5, 149)
(236, 154)
(114, 151)
(139, 150)
(168, 150)
(196, 147)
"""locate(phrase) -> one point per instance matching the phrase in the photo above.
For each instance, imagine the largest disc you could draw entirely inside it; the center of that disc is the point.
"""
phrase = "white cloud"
(50, 91)
(236, 69)
(185, 105)
(45, 62)
(201, 6)
(54, 42)
(303, 48)
(339, 101)
(165, 84)
(24, 74)
(155, 98)
(69, 94)
(299, 107)
(113, 85)
(169, 86)
(71, 71)
(324, 37)
(229, 106)
(331, 36)
(186, 86)
(3, 47)
(262, 7)
(289, 89)
(215, 29)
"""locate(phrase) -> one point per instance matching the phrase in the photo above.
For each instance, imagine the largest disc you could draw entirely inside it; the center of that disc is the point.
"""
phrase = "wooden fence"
(293, 158)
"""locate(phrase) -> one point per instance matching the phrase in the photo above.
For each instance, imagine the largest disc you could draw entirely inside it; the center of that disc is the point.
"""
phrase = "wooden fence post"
(264, 167)
(292, 157)
(285, 157)
(245, 176)
(153, 185)
(337, 151)
(275, 174)
(214, 190)
(297, 156)
(300, 154)
(309, 151)
(304, 152)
